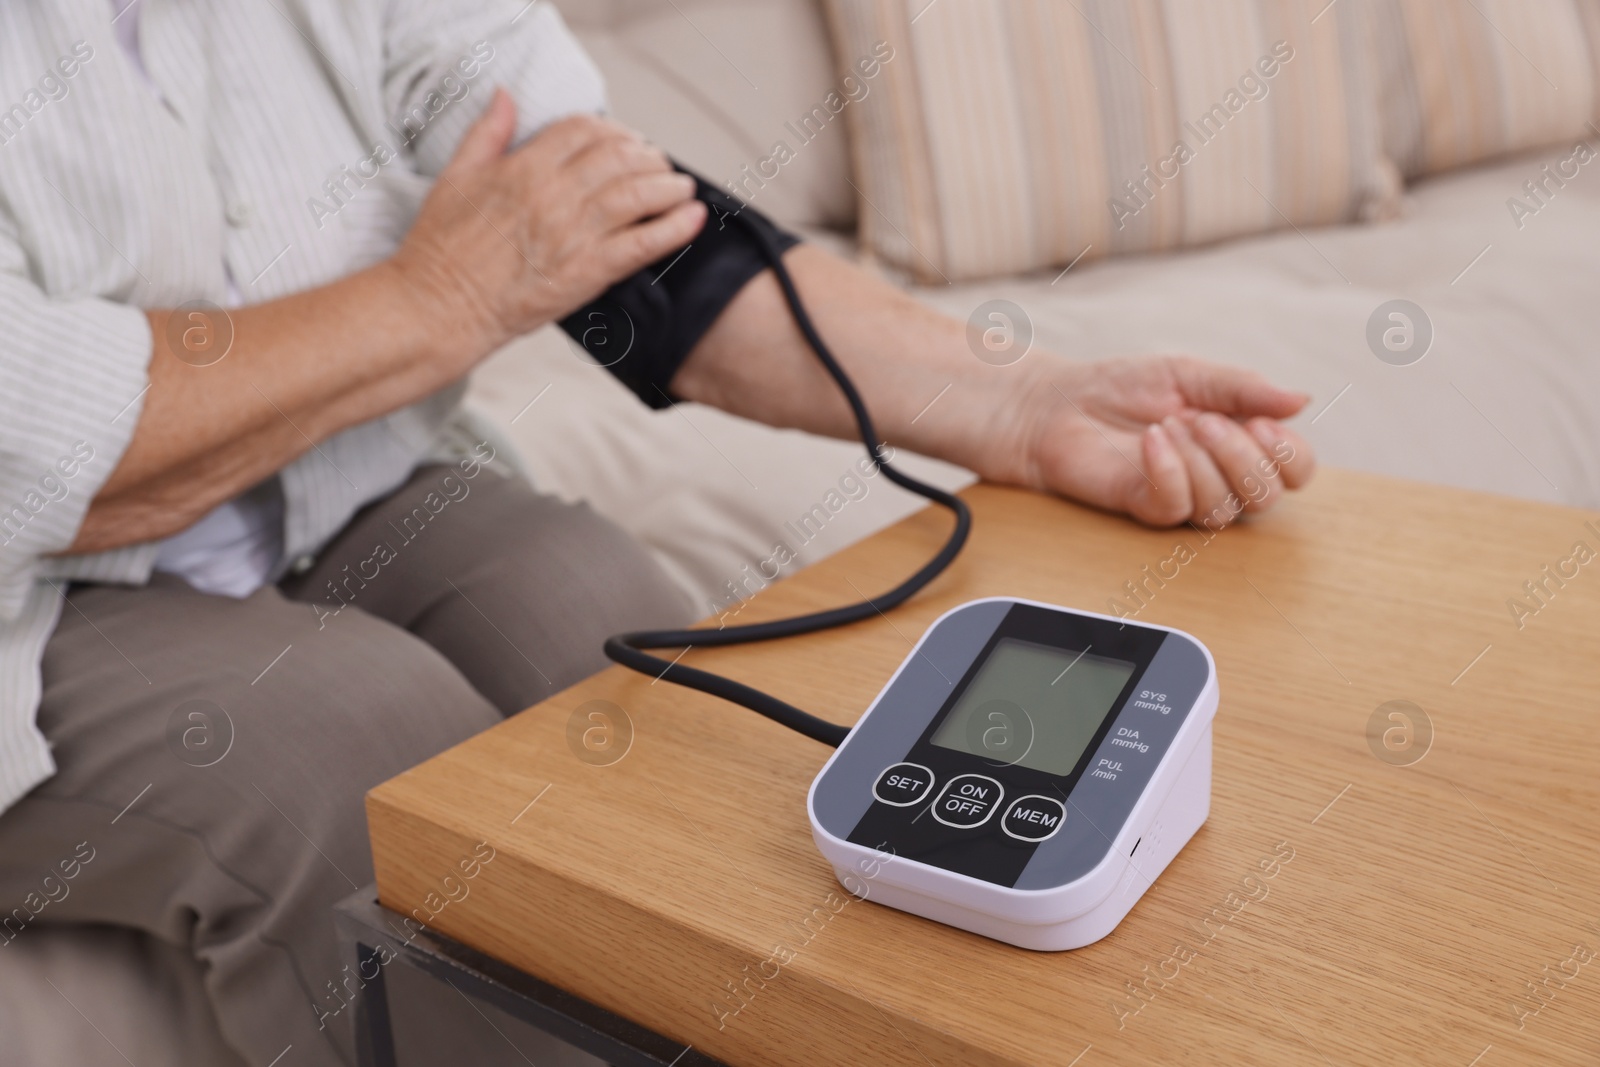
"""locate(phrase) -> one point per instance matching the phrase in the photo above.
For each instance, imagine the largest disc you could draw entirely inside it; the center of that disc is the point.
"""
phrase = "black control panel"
(993, 774)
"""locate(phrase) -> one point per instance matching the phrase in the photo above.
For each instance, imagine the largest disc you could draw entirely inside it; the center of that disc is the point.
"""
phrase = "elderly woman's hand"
(509, 241)
(1167, 439)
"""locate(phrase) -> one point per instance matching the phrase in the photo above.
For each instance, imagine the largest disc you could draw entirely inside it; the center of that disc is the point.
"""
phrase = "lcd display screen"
(1034, 706)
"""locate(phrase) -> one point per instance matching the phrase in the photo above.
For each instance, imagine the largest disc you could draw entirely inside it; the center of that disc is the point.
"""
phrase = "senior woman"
(275, 511)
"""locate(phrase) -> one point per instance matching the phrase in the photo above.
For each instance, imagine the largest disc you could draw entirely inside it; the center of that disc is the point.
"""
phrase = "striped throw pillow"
(1467, 80)
(1002, 136)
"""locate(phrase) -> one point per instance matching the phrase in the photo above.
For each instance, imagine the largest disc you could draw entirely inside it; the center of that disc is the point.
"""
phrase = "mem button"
(967, 800)
(903, 784)
(1034, 818)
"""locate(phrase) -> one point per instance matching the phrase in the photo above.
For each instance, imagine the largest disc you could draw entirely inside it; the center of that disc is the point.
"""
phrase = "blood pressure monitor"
(1026, 774)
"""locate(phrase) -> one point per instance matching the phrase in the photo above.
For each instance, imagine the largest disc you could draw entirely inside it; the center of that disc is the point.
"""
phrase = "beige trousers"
(213, 753)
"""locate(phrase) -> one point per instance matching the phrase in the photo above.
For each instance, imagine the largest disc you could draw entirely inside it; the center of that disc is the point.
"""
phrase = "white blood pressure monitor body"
(1026, 774)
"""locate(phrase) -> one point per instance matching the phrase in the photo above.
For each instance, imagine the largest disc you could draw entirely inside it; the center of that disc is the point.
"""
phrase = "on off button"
(967, 800)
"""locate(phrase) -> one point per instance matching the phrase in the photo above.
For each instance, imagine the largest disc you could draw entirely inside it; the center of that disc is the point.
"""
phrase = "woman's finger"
(632, 247)
(1294, 457)
(1209, 486)
(1163, 497)
(634, 197)
(1233, 390)
(558, 143)
(1254, 478)
(612, 156)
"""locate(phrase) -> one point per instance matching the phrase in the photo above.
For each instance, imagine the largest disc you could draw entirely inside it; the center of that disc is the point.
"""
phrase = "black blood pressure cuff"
(643, 327)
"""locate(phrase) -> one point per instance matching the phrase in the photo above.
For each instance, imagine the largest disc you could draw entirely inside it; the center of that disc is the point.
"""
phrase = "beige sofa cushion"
(721, 85)
(1013, 135)
(1463, 81)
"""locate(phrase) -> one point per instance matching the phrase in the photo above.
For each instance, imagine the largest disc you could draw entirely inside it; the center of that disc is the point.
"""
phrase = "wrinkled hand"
(1166, 439)
(507, 242)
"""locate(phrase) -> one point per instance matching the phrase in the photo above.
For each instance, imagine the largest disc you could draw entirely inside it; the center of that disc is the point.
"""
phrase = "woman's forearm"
(1168, 439)
(902, 355)
(299, 370)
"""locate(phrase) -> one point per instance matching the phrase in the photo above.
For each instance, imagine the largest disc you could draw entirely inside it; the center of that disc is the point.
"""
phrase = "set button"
(1034, 818)
(968, 800)
(903, 784)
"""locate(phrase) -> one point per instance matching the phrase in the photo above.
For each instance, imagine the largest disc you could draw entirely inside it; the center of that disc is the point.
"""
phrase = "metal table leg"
(379, 939)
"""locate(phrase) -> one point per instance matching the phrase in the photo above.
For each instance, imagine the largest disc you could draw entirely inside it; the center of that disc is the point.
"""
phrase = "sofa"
(1504, 401)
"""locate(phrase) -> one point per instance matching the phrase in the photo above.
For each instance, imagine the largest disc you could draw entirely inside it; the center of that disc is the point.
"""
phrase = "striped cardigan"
(297, 141)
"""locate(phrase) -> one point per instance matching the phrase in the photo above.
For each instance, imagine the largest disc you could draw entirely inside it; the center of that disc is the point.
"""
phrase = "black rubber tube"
(626, 648)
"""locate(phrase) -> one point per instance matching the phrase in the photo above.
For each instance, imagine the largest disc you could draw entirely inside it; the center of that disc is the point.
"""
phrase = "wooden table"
(1340, 906)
